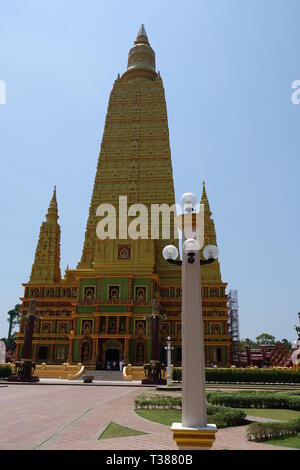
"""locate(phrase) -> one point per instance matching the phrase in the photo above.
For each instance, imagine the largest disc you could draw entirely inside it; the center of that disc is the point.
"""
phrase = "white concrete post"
(193, 369)
(169, 361)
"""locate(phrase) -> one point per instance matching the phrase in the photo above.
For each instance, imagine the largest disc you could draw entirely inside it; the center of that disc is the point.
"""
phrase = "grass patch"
(166, 417)
(114, 430)
(282, 415)
(292, 441)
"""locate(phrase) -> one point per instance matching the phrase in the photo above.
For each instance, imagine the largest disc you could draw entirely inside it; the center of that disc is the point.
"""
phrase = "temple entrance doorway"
(112, 358)
(110, 350)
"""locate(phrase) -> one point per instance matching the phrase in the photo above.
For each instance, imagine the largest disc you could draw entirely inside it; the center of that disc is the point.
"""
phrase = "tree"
(265, 338)
(287, 343)
(13, 320)
(247, 342)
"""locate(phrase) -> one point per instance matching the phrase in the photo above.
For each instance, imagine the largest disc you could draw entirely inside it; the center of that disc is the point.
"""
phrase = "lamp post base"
(15, 378)
(24, 372)
(194, 438)
(154, 371)
(154, 382)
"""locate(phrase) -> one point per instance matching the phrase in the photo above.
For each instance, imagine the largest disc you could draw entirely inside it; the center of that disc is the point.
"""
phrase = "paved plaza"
(60, 417)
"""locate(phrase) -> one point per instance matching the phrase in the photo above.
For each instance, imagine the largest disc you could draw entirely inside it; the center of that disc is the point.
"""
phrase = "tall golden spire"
(141, 57)
(46, 266)
(209, 225)
(210, 273)
(134, 161)
(52, 213)
(204, 200)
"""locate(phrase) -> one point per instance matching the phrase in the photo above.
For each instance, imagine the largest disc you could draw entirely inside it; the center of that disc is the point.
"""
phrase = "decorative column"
(106, 325)
(17, 352)
(34, 352)
(155, 353)
(154, 368)
(24, 368)
(97, 325)
(130, 290)
(126, 351)
(70, 351)
(94, 351)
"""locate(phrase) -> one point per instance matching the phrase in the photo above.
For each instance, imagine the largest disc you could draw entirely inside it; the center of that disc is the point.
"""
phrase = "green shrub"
(255, 375)
(284, 400)
(177, 375)
(5, 370)
(223, 416)
(157, 402)
(259, 432)
(220, 415)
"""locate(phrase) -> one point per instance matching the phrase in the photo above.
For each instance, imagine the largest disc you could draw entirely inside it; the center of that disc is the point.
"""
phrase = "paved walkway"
(59, 417)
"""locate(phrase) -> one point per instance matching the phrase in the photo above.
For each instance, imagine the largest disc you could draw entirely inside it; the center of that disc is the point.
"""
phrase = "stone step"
(107, 375)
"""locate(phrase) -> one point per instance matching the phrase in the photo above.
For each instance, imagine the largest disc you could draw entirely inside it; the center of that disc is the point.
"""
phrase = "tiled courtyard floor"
(73, 417)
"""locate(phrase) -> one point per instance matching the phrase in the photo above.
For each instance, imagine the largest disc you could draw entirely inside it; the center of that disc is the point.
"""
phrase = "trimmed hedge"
(259, 432)
(222, 416)
(157, 402)
(5, 370)
(285, 400)
(228, 375)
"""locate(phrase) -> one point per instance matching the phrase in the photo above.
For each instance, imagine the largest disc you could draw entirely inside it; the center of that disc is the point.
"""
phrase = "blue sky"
(227, 68)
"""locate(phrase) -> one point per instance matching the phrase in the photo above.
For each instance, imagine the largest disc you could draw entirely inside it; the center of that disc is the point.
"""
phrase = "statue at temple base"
(154, 372)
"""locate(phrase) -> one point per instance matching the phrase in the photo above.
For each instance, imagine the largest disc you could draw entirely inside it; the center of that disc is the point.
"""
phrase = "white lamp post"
(193, 432)
(169, 349)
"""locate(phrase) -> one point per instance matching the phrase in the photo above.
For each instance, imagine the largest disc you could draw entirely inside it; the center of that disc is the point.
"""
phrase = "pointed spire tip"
(142, 31)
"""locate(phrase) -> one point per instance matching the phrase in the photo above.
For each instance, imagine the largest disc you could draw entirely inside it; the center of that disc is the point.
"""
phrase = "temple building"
(99, 311)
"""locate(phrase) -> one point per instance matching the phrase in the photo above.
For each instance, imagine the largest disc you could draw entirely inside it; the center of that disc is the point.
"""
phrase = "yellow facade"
(98, 312)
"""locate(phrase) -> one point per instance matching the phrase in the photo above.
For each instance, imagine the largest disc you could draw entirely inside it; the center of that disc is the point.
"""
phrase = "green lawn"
(161, 416)
(281, 415)
(292, 441)
(114, 430)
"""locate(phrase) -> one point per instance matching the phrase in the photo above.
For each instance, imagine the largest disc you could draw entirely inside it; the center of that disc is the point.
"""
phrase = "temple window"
(112, 327)
(215, 329)
(60, 353)
(49, 293)
(214, 293)
(66, 293)
(102, 324)
(43, 353)
(34, 293)
(114, 292)
(140, 293)
(62, 328)
(46, 328)
(87, 327)
(164, 293)
(140, 353)
(122, 324)
(89, 294)
(140, 327)
(85, 352)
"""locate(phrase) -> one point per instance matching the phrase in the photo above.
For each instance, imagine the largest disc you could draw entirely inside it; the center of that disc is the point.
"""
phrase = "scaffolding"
(233, 321)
